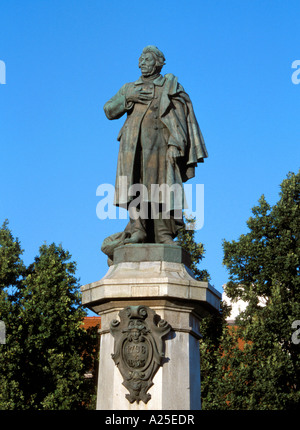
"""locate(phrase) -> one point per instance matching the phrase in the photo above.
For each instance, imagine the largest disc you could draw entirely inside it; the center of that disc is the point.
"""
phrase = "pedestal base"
(169, 289)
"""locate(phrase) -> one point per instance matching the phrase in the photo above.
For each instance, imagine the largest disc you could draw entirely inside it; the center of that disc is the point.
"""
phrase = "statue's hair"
(157, 54)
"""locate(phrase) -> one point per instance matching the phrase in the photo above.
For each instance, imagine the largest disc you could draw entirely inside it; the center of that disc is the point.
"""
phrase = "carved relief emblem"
(138, 349)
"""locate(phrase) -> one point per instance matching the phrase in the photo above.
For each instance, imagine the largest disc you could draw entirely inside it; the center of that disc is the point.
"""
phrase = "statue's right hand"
(138, 95)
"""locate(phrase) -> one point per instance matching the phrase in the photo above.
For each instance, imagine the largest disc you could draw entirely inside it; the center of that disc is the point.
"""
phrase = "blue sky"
(65, 59)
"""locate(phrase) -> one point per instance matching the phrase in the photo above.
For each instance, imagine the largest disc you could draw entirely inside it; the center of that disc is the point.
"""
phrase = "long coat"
(168, 119)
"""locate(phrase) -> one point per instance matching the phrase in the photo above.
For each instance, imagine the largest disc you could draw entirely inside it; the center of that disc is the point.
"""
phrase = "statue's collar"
(160, 80)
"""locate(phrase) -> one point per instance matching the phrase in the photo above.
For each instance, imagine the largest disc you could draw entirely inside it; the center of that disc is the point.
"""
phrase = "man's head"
(151, 61)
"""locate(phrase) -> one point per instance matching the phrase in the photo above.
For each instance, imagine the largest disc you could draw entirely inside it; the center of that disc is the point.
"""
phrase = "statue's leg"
(138, 231)
(163, 231)
(166, 229)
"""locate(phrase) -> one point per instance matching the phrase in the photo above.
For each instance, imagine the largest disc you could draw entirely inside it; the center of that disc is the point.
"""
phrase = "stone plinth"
(156, 276)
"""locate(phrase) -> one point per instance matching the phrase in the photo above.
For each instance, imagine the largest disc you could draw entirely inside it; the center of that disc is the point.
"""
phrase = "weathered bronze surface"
(160, 143)
(138, 350)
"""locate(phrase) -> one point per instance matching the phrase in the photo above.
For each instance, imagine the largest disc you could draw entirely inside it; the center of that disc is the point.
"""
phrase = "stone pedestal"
(157, 277)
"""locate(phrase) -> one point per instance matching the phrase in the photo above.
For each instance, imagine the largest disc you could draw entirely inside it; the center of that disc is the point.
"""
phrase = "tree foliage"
(186, 239)
(257, 362)
(12, 271)
(47, 351)
(264, 272)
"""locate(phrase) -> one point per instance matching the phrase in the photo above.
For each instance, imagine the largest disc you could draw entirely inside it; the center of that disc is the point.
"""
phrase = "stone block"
(151, 252)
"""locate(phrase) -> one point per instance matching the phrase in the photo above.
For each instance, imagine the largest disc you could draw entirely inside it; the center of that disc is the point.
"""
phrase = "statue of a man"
(160, 143)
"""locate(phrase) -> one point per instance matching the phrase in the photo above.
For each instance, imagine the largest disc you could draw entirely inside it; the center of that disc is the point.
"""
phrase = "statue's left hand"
(172, 154)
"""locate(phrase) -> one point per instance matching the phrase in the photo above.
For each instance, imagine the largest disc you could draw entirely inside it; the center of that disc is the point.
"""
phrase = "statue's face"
(147, 64)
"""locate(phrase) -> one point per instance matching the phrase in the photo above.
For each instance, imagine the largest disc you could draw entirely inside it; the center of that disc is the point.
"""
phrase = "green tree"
(47, 351)
(12, 270)
(186, 239)
(264, 272)
(255, 364)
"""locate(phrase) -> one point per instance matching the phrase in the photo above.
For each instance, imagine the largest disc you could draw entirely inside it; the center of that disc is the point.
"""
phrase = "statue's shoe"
(167, 240)
(136, 237)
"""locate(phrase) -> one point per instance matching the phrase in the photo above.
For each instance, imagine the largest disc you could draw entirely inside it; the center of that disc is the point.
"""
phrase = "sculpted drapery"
(167, 120)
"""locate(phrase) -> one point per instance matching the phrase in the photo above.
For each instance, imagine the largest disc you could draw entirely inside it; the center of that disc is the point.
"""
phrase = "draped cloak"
(167, 119)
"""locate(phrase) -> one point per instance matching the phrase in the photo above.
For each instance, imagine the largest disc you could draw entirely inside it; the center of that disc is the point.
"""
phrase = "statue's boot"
(136, 237)
(165, 230)
(137, 230)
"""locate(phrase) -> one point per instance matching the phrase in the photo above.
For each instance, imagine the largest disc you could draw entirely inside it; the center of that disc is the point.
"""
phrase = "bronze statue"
(160, 143)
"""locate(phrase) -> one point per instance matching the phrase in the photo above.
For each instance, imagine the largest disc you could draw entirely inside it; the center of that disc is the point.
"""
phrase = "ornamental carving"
(138, 349)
